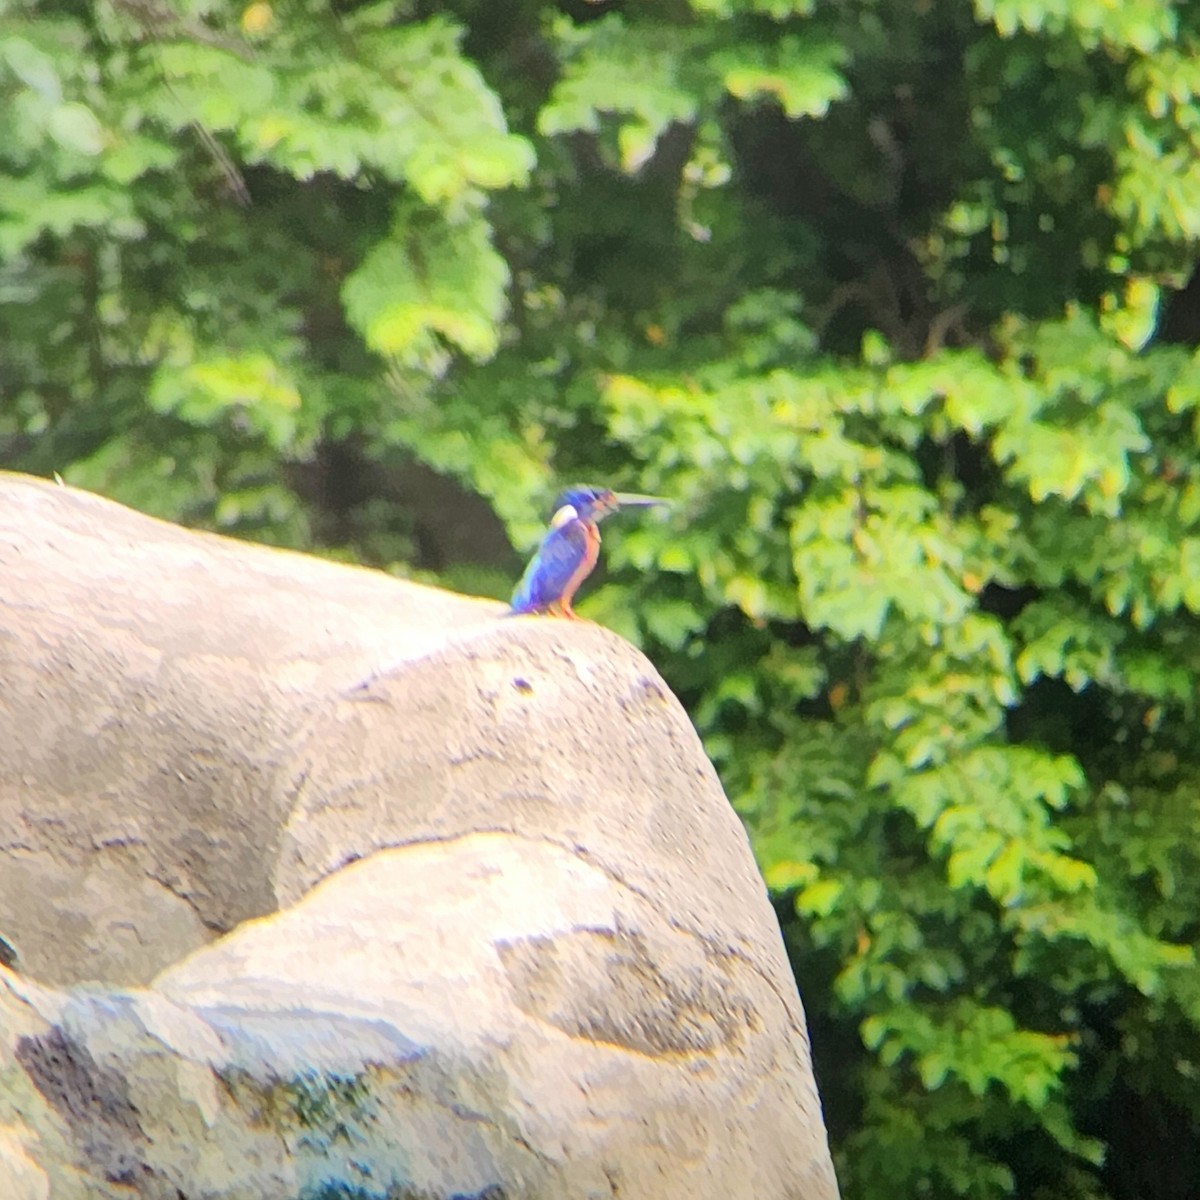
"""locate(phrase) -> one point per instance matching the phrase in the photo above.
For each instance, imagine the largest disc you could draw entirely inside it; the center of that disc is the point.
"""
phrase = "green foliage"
(430, 283)
(887, 297)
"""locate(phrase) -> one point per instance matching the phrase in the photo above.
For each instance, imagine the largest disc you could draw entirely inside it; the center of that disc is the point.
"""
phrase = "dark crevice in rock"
(92, 1099)
(8, 953)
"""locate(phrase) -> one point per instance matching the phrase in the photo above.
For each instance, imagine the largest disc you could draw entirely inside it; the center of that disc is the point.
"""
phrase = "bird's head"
(595, 503)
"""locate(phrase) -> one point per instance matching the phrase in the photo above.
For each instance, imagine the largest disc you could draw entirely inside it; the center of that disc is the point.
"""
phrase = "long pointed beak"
(633, 500)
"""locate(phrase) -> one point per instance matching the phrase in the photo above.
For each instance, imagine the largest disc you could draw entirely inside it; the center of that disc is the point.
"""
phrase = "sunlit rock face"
(490, 927)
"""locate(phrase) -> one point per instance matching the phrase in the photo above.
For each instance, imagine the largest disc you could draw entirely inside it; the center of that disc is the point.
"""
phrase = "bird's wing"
(558, 558)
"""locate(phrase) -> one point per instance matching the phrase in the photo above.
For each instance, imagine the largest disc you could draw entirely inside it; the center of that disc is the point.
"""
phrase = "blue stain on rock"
(333, 1189)
(360, 1110)
(337, 1190)
(277, 1044)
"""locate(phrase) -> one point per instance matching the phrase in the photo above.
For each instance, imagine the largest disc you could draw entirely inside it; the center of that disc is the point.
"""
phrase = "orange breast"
(591, 532)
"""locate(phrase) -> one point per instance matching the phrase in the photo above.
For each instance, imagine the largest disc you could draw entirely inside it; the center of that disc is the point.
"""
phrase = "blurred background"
(894, 298)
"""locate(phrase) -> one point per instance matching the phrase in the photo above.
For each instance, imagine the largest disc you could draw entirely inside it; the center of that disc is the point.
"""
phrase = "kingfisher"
(570, 548)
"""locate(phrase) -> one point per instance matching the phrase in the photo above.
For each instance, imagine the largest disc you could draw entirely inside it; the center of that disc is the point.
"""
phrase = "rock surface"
(510, 940)
(160, 688)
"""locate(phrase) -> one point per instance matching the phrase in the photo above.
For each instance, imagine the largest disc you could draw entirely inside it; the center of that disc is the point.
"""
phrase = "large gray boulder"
(491, 927)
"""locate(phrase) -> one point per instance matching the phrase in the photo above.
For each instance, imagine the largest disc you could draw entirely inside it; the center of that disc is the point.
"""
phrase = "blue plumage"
(569, 550)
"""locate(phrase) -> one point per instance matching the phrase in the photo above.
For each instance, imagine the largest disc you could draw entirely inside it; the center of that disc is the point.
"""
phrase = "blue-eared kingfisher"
(570, 548)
